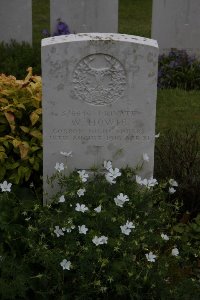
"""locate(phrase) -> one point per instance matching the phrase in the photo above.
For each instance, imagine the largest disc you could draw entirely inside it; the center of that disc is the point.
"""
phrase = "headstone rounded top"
(99, 37)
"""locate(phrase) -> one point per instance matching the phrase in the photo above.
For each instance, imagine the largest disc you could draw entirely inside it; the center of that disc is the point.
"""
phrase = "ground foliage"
(17, 57)
(177, 155)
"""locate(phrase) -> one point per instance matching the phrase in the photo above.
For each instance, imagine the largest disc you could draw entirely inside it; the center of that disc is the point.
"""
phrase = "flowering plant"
(179, 70)
(98, 239)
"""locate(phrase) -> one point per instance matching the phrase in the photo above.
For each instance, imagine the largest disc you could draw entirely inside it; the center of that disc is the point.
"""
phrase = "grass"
(178, 109)
(135, 17)
(41, 17)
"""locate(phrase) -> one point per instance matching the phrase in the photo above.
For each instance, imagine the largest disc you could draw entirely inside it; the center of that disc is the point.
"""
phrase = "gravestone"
(99, 100)
(85, 15)
(16, 21)
(176, 24)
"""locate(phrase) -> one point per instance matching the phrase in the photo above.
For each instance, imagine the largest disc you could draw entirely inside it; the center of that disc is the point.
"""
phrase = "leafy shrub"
(20, 129)
(177, 155)
(179, 70)
(132, 249)
(16, 58)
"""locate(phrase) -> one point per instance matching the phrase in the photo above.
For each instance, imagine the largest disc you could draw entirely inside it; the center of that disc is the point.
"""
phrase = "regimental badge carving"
(99, 79)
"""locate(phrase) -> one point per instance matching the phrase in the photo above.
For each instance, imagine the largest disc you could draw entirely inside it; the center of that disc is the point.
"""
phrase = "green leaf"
(3, 156)
(25, 129)
(37, 134)
(12, 166)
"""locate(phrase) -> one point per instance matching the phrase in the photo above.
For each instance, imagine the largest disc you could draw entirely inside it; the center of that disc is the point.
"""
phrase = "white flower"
(66, 154)
(150, 257)
(151, 182)
(96, 240)
(146, 182)
(164, 237)
(100, 240)
(59, 167)
(173, 182)
(65, 264)
(157, 135)
(62, 199)
(5, 186)
(145, 157)
(98, 209)
(110, 178)
(83, 176)
(129, 225)
(81, 207)
(115, 172)
(126, 229)
(172, 190)
(121, 199)
(103, 239)
(107, 165)
(175, 252)
(112, 175)
(138, 179)
(82, 229)
(58, 231)
(81, 192)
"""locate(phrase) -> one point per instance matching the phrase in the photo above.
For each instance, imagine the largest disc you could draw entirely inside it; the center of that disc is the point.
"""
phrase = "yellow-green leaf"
(34, 118)
(23, 150)
(37, 134)
(16, 143)
(2, 149)
(3, 156)
(25, 129)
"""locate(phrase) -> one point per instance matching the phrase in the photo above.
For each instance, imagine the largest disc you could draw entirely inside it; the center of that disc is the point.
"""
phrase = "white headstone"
(99, 100)
(16, 21)
(176, 24)
(85, 15)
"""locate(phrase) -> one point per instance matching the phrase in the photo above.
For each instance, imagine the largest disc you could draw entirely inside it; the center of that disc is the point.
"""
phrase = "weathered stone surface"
(176, 24)
(85, 15)
(16, 20)
(99, 100)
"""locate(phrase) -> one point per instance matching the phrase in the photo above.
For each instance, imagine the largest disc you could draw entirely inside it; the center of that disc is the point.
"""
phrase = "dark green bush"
(177, 155)
(16, 58)
(179, 70)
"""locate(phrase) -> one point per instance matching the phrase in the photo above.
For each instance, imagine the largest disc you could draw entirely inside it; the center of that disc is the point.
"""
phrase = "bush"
(179, 70)
(177, 155)
(20, 129)
(132, 249)
(16, 58)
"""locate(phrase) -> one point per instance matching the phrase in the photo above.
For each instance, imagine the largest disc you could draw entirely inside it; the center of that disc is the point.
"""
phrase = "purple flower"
(61, 29)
